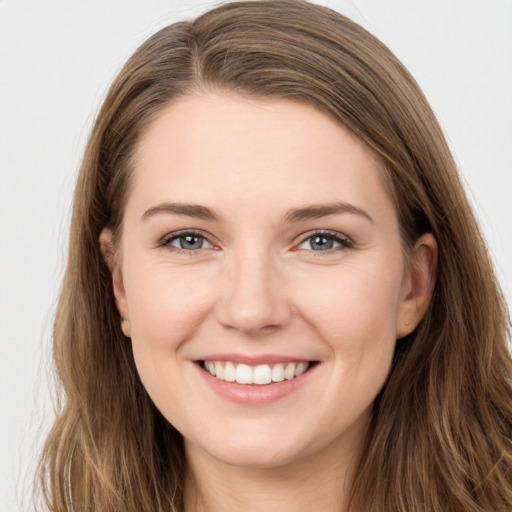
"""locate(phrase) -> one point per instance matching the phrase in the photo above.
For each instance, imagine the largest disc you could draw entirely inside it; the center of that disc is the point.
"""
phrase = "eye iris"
(191, 242)
(321, 243)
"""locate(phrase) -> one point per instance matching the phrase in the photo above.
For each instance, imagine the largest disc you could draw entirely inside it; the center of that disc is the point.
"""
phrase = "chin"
(257, 457)
(257, 449)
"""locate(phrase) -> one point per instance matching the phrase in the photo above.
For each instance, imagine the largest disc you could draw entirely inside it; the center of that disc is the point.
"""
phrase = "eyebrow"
(316, 211)
(188, 210)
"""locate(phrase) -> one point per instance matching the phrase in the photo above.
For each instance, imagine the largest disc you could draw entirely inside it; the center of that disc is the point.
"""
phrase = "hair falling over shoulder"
(441, 430)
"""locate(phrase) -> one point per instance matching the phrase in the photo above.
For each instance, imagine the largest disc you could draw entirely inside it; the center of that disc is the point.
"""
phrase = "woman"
(277, 295)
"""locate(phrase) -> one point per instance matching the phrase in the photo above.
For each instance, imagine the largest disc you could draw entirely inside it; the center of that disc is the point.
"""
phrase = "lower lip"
(255, 394)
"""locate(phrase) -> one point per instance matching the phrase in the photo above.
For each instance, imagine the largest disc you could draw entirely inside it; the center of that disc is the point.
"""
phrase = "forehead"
(225, 148)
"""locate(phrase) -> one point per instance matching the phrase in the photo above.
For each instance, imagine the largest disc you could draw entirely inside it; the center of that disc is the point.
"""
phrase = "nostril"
(254, 303)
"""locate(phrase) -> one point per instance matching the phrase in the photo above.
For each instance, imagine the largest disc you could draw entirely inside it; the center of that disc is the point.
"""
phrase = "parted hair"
(441, 428)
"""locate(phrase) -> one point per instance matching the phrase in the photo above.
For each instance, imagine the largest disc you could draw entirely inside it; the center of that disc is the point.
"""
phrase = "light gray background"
(56, 61)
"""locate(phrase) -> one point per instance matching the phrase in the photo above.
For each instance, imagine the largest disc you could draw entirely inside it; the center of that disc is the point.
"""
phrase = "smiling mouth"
(260, 375)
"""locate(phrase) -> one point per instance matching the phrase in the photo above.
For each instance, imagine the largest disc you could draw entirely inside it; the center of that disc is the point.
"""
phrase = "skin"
(258, 286)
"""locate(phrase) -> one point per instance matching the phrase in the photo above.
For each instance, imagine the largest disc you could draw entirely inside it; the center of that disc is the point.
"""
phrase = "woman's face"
(258, 242)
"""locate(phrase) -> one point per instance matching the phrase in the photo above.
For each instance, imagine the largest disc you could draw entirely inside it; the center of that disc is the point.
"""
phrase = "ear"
(108, 251)
(418, 285)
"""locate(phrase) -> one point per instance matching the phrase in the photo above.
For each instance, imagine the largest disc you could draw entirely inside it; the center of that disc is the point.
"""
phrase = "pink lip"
(254, 394)
(253, 360)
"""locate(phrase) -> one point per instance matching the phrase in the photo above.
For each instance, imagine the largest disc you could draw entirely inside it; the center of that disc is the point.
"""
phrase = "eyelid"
(344, 241)
(165, 241)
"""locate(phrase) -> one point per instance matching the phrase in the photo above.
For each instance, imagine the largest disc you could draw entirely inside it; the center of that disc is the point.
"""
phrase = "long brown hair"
(441, 430)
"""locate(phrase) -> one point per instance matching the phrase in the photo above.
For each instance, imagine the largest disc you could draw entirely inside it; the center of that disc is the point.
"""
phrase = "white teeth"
(219, 371)
(243, 374)
(289, 372)
(260, 375)
(229, 372)
(301, 368)
(278, 373)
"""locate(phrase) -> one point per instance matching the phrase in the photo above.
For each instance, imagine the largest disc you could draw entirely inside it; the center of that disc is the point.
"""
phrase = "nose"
(254, 299)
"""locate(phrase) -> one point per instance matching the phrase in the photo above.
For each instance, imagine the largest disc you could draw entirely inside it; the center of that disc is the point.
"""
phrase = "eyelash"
(171, 237)
(345, 243)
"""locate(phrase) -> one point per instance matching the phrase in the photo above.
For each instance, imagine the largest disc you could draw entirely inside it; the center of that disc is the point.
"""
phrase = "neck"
(319, 481)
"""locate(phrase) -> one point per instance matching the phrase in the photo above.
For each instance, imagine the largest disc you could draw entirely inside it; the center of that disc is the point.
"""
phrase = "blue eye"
(186, 241)
(324, 242)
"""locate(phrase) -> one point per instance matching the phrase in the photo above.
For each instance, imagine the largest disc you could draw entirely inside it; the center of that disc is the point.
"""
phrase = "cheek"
(356, 317)
(165, 306)
(354, 303)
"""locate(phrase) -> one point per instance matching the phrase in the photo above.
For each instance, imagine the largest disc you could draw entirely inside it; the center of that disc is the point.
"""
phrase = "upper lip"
(253, 360)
